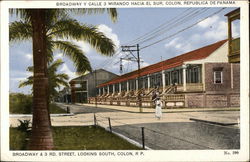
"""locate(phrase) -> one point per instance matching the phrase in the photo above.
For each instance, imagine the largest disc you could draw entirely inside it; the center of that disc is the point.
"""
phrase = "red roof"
(197, 54)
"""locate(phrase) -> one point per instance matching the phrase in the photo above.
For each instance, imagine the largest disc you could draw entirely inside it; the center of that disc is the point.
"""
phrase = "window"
(218, 77)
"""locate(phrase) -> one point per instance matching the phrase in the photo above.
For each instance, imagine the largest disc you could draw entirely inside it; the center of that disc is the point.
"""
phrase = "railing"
(235, 46)
(175, 97)
(191, 87)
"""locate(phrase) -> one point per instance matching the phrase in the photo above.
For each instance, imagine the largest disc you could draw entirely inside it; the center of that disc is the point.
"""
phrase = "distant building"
(199, 78)
(84, 86)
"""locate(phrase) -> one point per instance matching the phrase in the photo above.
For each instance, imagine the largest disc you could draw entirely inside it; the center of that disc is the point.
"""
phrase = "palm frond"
(83, 11)
(54, 66)
(70, 28)
(30, 69)
(27, 82)
(20, 30)
(22, 13)
(74, 52)
(62, 76)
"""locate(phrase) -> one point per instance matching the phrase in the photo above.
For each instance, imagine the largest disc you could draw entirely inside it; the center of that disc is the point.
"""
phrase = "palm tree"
(43, 26)
(55, 80)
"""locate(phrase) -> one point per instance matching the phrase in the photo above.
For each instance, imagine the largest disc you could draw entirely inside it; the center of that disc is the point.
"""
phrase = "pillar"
(163, 80)
(127, 85)
(113, 88)
(184, 78)
(136, 83)
(120, 87)
(99, 89)
(108, 88)
(148, 81)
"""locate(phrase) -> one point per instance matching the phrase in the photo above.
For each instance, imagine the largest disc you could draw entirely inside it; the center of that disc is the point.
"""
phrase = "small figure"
(158, 107)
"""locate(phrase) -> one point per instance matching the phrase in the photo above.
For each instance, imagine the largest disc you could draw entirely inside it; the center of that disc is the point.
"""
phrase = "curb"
(212, 122)
(30, 115)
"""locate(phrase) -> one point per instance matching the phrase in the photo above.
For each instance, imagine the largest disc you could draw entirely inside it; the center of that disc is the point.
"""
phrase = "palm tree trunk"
(41, 136)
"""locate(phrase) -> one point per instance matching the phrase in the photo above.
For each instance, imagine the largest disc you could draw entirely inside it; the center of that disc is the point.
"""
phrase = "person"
(158, 107)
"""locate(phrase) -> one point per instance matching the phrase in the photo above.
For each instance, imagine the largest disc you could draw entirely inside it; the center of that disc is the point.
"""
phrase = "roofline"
(233, 12)
(177, 63)
(74, 79)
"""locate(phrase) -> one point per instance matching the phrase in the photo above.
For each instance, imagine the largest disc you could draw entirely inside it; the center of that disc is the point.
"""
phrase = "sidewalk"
(152, 110)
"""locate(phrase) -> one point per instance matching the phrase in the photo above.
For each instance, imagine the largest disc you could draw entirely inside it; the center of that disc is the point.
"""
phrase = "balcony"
(234, 51)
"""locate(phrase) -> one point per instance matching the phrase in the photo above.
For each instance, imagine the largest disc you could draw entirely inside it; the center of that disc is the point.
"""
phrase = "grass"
(76, 138)
(17, 139)
(54, 109)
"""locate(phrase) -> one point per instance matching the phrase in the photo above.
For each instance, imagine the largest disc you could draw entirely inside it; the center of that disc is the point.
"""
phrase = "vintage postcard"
(125, 80)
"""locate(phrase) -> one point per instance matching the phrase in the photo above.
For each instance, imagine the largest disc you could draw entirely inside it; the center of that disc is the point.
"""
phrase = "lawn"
(76, 138)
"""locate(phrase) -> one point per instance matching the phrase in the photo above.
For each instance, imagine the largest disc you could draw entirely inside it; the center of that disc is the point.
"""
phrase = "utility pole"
(127, 49)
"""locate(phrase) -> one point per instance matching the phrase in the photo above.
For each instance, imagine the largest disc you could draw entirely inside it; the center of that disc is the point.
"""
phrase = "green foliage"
(92, 138)
(54, 109)
(60, 26)
(18, 139)
(55, 79)
(24, 125)
(20, 103)
(76, 138)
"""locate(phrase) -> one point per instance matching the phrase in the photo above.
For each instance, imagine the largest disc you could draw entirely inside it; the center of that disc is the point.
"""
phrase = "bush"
(20, 103)
(24, 125)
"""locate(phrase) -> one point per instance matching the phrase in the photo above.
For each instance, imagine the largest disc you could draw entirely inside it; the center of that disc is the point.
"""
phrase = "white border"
(184, 155)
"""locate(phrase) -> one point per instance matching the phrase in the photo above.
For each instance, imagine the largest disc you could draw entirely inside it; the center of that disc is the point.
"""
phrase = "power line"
(170, 24)
(175, 24)
(157, 28)
(182, 29)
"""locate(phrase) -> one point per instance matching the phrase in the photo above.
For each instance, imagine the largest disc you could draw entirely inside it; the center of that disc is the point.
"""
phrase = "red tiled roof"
(170, 63)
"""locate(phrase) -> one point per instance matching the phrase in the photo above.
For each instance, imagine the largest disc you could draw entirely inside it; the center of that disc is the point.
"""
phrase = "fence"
(145, 137)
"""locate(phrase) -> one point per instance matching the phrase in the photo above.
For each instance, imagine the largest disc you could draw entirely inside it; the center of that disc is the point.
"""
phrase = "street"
(175, 131)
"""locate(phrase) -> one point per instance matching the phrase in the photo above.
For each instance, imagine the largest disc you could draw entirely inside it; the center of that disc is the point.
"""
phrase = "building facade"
(200, 78)
(85, 86)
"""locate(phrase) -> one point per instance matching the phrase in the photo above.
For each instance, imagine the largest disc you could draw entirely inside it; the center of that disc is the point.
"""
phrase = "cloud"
(85, 47)
(65, 69)
(217, 32)
(108, 33)
(209, 22)
(29, 56)
(215, 28)
(58, 56)
(178, 45)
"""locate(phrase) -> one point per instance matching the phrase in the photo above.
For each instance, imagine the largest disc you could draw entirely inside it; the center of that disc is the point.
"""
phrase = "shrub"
(24, 125)
(20, 103)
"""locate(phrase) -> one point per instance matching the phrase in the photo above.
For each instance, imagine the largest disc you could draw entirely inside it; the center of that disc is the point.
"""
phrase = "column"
(108, 88)
(99, 89)
(163, 80)
(120, 87)
(113, 88)
(136, 83)
(184, 78)
(148, 81)
(127, 85)
(103, 90)
(203, 75)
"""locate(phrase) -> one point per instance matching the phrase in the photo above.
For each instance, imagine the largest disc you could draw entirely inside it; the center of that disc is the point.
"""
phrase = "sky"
(172, 31)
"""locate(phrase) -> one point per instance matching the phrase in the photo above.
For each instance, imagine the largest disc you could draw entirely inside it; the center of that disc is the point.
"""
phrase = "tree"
(55, 80)
(43, 26)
